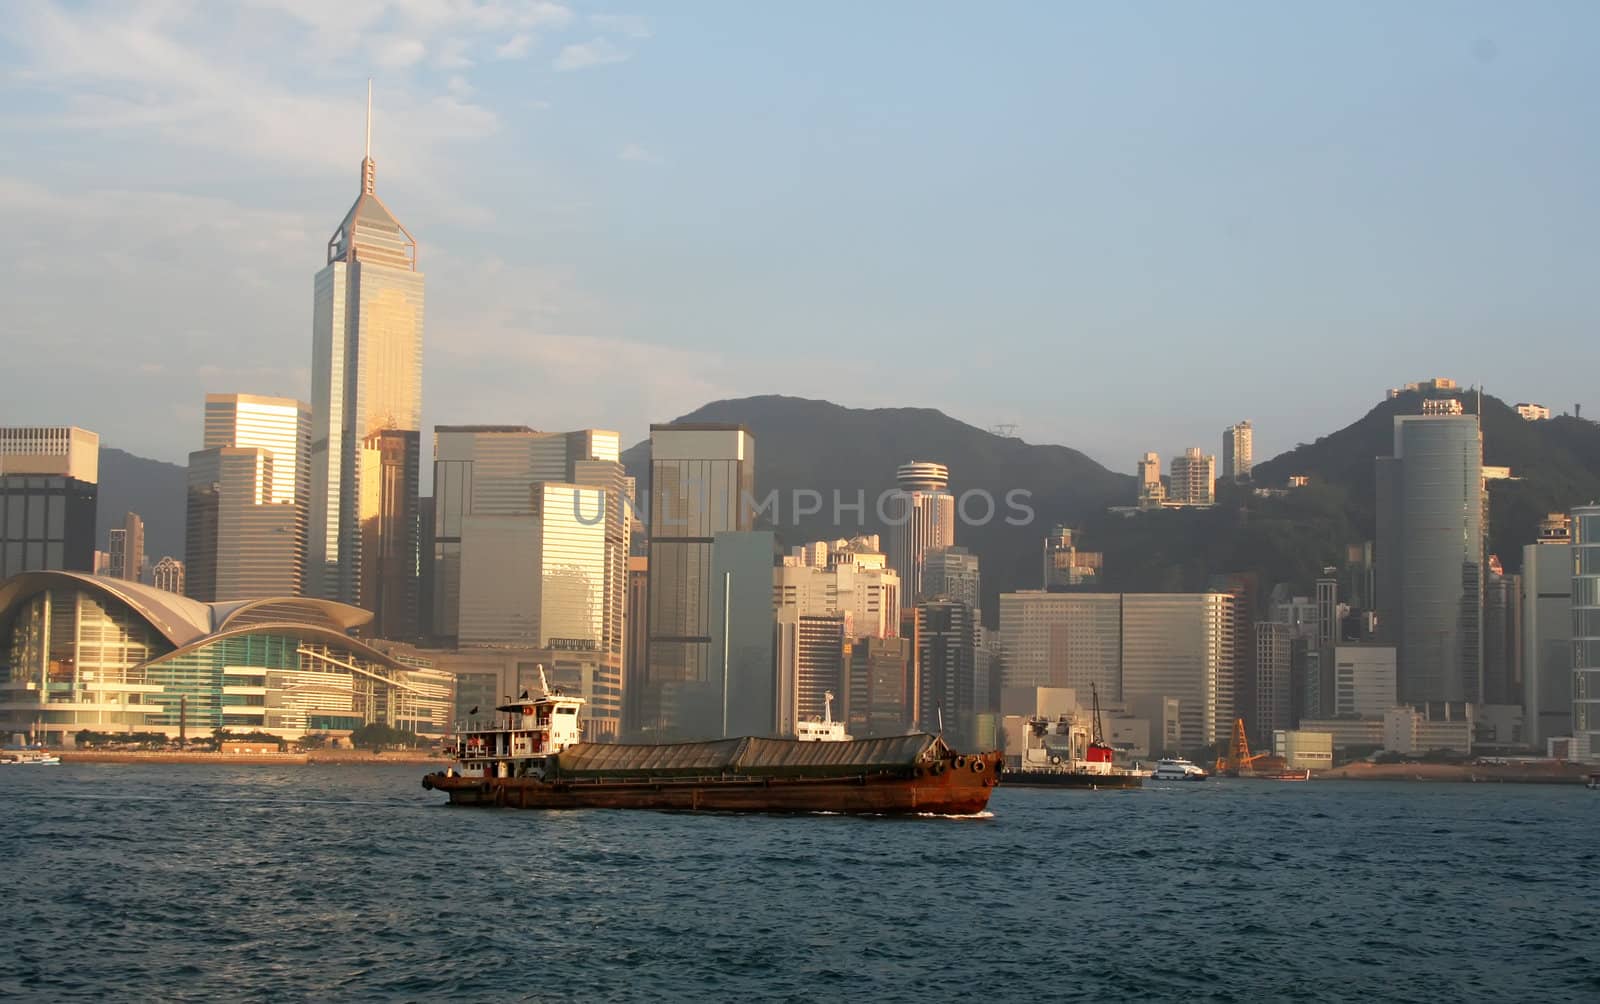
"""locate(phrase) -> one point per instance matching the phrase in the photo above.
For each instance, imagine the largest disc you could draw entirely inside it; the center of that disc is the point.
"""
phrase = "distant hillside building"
(1237, 449)
(1066, 567)
(1424, 387)
(1532, 412)
(1194, 479)
(1430, 556)
(49, 488)
(1151, 492)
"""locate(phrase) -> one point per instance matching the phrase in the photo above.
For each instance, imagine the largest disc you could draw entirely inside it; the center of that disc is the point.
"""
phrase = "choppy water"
(322, 883)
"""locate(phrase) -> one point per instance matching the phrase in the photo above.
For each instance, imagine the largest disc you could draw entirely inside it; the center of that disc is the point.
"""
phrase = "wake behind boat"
(532, 757)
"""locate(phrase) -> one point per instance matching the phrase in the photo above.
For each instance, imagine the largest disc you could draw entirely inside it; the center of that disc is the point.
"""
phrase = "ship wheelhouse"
(515, 741)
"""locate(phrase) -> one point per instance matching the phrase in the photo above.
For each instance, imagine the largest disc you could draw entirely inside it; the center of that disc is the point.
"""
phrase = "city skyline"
(515, 127)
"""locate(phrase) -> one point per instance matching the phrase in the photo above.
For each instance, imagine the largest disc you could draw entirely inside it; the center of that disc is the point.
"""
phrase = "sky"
(1118, 227)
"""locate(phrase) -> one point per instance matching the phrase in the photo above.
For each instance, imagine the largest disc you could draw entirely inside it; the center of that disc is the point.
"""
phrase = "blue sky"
(1120, 227)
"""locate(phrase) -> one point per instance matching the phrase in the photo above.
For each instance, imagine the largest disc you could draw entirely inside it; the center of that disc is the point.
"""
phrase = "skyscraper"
(49, 487)
(245, 527)
(953, 573)
(1547, 631)
(1586, 632)
(168, 574)
(702, 482)
(1151, 491)
(922, 520)
(1066, 567)
(742, 624)
(810, 657)
(1430, 556)
(366, 391)
(947, 653)
(1236, 451)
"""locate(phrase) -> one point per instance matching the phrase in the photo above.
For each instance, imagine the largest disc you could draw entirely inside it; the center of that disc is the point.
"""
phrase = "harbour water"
(321, 883)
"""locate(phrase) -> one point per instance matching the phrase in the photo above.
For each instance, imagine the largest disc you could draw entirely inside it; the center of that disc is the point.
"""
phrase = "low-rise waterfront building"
(1301, 749)
(79, 651)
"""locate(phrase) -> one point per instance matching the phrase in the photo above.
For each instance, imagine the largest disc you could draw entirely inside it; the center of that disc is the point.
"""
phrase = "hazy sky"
(1119, 226)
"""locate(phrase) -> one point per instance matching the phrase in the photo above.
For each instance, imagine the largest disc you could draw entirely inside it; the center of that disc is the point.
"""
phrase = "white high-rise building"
(868, 598)
(922, 520)
(1194, 479)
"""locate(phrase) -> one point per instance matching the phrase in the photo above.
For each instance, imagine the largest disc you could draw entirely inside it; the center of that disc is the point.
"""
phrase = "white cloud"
(459, 87)
(514, 47)
(628, 25)
(638, 154)
(595, 52)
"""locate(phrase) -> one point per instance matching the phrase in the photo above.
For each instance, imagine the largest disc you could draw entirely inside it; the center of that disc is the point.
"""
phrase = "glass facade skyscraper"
(1586, 632)
(702, 482)
(1430, 556)
(366, 390)
(922, 521)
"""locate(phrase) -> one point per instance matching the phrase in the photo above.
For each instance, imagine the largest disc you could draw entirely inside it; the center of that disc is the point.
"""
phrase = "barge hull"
(950, 793)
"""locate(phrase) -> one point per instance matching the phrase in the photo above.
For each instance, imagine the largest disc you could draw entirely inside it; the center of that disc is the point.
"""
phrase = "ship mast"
(1099, 735)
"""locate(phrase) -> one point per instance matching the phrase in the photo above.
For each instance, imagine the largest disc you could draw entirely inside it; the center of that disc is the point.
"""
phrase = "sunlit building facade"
(248, 497)
(366, 390)
(1238, 447)
(90, 652)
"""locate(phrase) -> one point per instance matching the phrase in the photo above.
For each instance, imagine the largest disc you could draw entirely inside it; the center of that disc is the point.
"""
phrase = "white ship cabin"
(514, 741)
(824, 729)
(1064, 745)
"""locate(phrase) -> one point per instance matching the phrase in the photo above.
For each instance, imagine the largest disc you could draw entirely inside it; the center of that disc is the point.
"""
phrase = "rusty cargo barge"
(530, 756)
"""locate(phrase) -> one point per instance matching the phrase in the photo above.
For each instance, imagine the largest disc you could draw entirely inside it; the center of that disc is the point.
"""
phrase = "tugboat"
(1061, 766)
(531, 755)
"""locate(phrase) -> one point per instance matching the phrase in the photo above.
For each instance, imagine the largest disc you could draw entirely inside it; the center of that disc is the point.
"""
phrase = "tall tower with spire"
(366, 402)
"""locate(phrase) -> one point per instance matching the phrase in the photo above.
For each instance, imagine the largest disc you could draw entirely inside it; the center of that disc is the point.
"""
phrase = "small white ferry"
(1178, 769)
(825, 729)
(28, 756)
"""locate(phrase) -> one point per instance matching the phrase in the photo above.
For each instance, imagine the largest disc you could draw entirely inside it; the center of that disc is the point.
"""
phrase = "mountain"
(1555, 464)
(806, 444)
(151, 488)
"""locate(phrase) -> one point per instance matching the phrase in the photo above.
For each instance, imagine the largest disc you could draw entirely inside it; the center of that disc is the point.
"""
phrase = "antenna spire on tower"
(368, 169)
(369, 118)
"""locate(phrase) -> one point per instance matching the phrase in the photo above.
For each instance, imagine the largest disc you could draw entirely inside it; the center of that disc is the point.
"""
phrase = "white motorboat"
(1178, 769)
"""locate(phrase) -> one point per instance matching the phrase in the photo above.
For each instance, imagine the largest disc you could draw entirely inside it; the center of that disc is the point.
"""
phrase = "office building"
(1066, 567)
(1547, 632)
(1586, 633)
(86, 652)
(921, 515)
(810, 657)
(125, 549)
(1138, 649)
(953, 574)
(1062, 640)
(1328, 618)
(702, 482)
(1303, 750)
(366, 406)
(742, 625)
(245, 524)
(168, 575)
(867, 597)
(1274, 683)
(1194, 479)
(1430, 558)
(878, 693)
(635, 626)
(49, 486)
(1502, 636)
(1236, 451)
(947, 653)
(1363, 680)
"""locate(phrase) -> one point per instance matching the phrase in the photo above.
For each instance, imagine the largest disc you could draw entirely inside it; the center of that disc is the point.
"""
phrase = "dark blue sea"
(352, 883)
